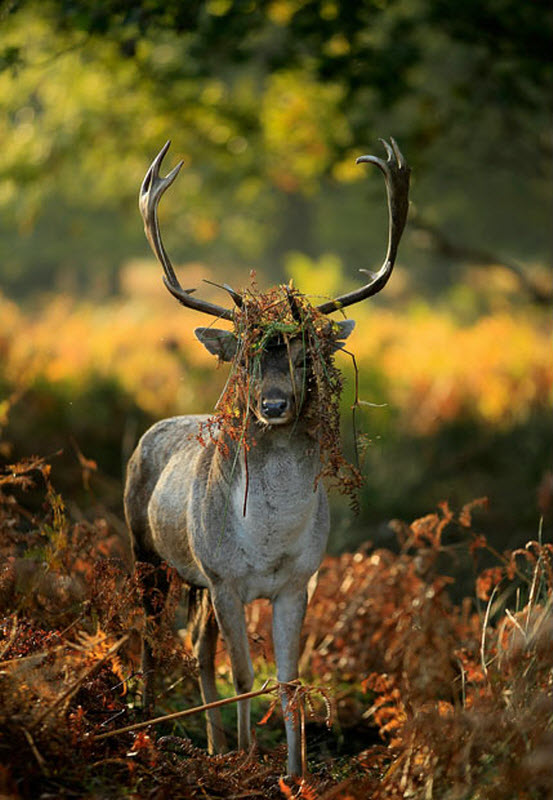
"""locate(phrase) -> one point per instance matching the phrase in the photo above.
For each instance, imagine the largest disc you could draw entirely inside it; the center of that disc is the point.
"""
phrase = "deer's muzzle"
(275, 409)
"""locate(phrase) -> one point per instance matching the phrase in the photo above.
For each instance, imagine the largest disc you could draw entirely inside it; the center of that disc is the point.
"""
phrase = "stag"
(184, 498)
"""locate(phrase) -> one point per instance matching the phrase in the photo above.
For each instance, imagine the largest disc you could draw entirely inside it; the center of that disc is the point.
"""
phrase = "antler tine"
(396, 174)
(236, 296)
(153, 187)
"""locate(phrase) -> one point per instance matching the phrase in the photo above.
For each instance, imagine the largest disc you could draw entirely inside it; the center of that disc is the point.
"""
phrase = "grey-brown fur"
(239, 532)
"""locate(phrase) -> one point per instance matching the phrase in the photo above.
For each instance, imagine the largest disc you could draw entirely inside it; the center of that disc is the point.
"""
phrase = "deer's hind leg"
(205, 634)
(151, 578)
(155, 586)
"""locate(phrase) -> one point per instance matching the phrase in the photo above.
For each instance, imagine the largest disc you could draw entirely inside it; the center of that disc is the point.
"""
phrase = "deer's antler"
(396, 174)
(153, 186)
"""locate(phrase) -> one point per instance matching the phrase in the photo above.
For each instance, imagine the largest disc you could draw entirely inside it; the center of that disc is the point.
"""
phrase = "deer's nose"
(273, 408)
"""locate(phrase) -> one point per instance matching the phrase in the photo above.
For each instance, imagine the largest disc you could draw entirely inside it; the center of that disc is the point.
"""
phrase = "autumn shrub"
(460, 694)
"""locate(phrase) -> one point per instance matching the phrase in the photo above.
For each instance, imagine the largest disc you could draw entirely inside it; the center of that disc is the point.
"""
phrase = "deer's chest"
(280, 524)
(274, 498)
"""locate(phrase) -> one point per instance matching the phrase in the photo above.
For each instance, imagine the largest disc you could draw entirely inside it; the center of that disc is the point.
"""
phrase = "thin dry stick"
(20, 659)
(532, 595)
(406, 767)
(463, 683)
(243, 443)
(75, 685)
(247, 476)
(355, 405)
(40, 759)
(515, 622)
(302, 737)
(10, 640)
(496, 554)
(484, 626)
(189, 711)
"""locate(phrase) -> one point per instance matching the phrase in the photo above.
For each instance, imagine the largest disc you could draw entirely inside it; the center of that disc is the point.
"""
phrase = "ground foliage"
(278, 317)
(460, 695)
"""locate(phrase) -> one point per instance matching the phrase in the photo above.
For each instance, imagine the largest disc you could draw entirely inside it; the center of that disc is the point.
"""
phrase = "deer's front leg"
(288, 614)
(232, 624)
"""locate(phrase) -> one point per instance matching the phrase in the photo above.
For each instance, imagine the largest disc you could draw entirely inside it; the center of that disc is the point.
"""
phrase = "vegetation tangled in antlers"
(280, 315)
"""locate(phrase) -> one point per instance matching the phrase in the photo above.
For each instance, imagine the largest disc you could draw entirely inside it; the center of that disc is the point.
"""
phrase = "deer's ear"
(343, 329)
(222, 344)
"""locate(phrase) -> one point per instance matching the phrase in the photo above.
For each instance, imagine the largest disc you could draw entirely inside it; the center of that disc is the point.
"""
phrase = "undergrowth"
(454, 700)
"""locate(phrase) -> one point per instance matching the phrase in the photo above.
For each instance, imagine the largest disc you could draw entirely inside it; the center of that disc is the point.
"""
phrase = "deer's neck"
(261, 447)
(274, 481)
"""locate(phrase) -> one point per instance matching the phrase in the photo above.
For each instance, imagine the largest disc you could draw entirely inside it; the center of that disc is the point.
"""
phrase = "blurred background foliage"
(269, 104)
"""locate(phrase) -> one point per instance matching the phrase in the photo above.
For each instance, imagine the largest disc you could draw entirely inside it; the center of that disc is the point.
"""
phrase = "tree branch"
(444, 246)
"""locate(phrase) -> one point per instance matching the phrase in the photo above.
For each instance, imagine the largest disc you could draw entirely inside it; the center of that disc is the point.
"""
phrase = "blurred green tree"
(269, 103)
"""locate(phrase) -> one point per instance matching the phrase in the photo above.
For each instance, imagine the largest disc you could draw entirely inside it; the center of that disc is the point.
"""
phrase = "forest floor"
(406, 693)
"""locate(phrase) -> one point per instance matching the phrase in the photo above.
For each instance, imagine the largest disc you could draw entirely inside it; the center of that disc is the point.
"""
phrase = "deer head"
(277, 385)
(280, 380)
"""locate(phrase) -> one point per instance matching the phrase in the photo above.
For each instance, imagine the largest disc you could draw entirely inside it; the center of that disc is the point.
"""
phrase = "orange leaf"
(478, 542)
(284, 788)
(465, 517)
(268, 714)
